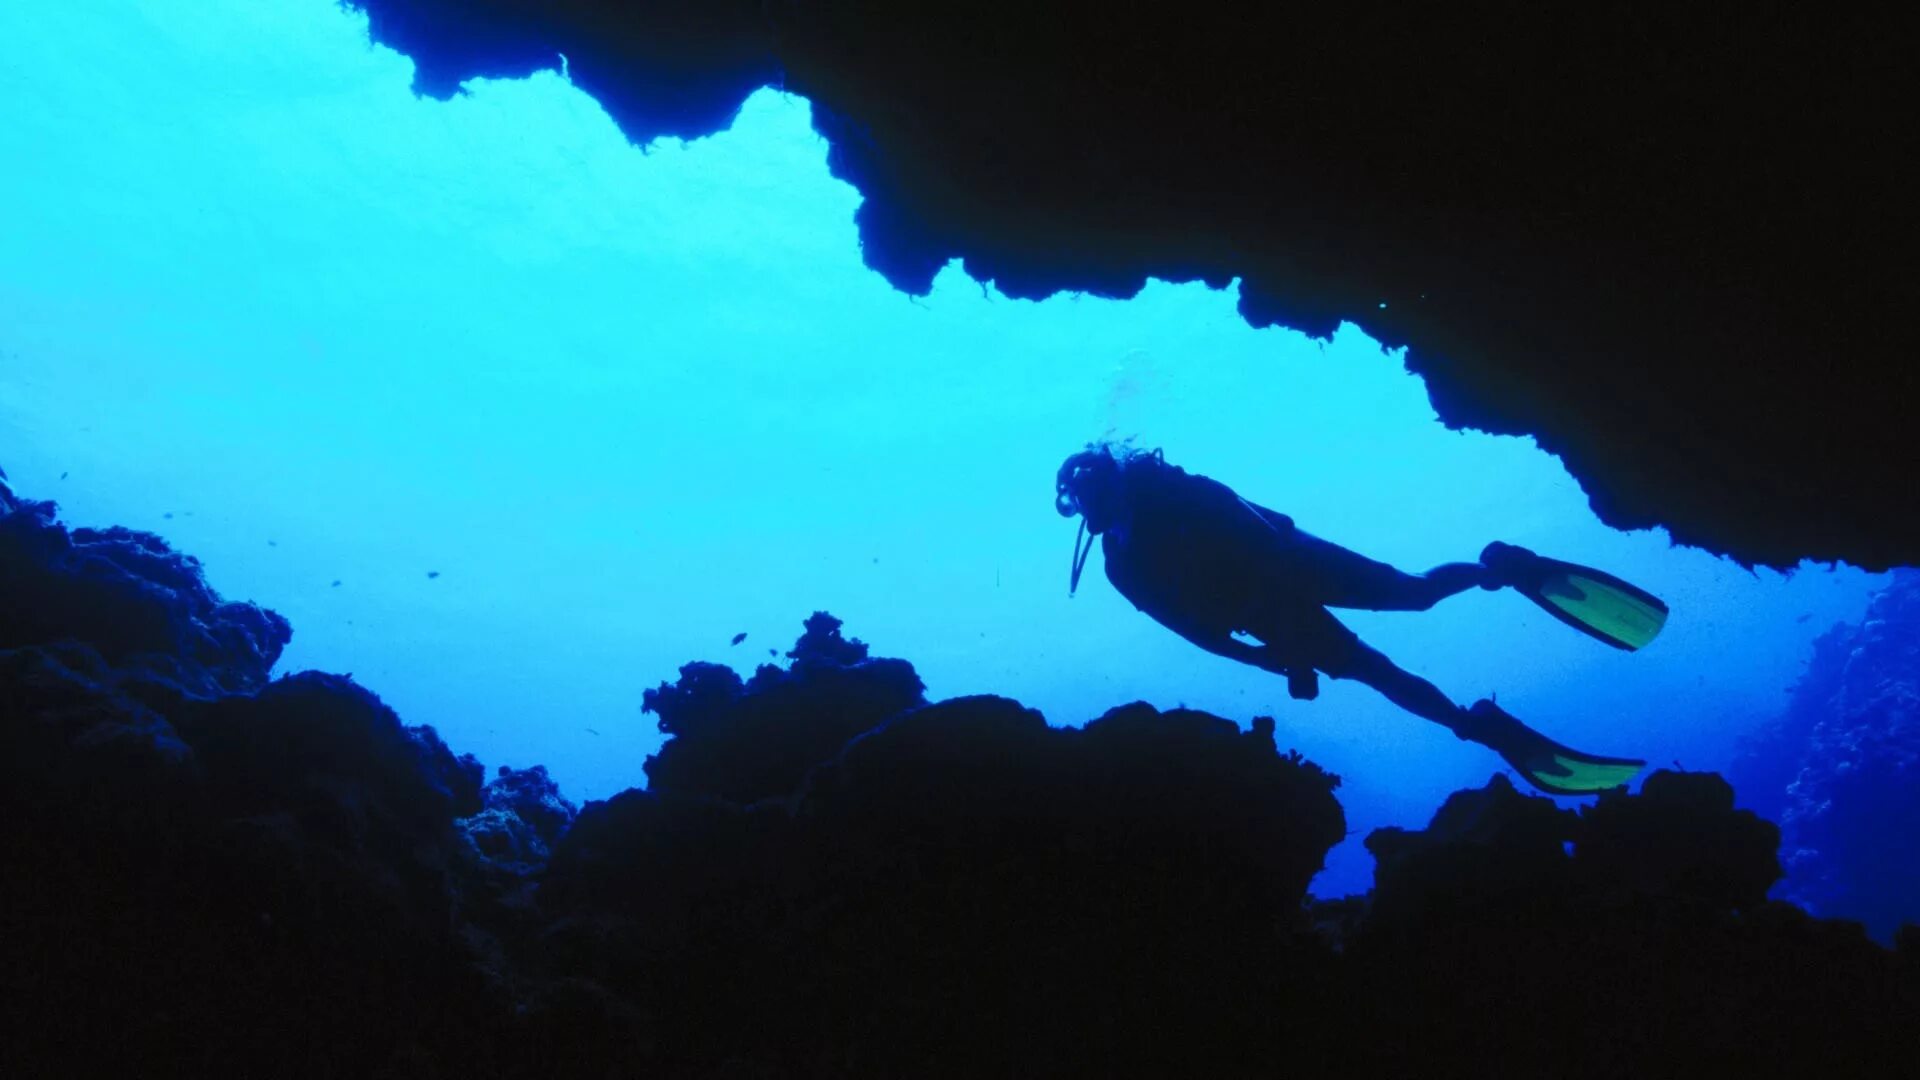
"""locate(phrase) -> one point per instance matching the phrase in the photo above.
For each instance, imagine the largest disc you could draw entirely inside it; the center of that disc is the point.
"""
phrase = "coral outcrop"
(141, 606)
(744, 741)
(1841, 766)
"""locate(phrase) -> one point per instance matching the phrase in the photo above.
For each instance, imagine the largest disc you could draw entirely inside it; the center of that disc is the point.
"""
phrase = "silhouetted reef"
(752, 740)
(141, 606)
(214, 873)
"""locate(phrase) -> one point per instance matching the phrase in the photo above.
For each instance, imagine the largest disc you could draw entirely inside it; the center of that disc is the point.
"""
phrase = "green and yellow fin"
(1569, 772)
(1547, 765)
(1622, 615)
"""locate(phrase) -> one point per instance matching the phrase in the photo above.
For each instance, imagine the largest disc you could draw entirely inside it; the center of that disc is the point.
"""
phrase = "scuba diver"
(1244, 582)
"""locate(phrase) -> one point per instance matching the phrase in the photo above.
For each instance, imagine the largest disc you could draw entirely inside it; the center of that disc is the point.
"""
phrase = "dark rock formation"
(755, 740)
(139, 604)
(962, 891)
(523, 817)
(1679, 841)
(211, 875)
(206, 871)
(1516, 939)
(1842, 767)
(1673, 246)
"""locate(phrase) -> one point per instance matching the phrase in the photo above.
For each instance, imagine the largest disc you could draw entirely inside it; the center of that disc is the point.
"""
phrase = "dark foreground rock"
(1515, 938)
(962, 891)
(143, 607)
(210, 873)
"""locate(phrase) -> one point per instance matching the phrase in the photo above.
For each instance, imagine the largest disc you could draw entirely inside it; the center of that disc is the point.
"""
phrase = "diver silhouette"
(1245, 582)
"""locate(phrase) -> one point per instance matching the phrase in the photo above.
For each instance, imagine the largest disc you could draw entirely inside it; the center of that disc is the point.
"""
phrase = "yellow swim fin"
(1547, 765)
(1591, 601)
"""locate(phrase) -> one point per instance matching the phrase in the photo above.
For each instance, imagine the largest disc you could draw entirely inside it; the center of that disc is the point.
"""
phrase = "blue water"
(626, 403)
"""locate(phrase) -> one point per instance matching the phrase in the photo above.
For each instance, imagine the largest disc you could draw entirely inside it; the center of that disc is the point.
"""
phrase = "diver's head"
(1088, 484)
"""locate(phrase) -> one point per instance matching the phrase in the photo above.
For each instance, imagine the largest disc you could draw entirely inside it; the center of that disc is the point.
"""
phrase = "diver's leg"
(1347, 579)
(1342, 655)
(1546, 764)
(1402, 687)
(1304, 639)
(1447, 579)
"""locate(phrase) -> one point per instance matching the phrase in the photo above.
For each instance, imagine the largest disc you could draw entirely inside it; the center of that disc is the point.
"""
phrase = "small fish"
(433, 573)
(168, 515)
(273, 543)
(739, 637)
(336, 583)
(590, 731)
(1804, 618)
(773, 652)
(63, 476)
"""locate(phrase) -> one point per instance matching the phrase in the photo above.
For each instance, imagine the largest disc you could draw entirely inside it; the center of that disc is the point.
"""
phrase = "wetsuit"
(1208, 564)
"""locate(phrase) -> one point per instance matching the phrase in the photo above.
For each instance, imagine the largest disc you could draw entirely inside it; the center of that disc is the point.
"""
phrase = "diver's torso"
(1191, 548)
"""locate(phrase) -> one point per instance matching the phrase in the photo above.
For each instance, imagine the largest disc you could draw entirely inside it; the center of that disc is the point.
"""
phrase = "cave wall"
(1669, 245)
(1838, 766)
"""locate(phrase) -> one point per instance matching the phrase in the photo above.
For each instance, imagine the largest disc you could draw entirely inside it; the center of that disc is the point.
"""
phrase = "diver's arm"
(1220, 642)
(1303, 682)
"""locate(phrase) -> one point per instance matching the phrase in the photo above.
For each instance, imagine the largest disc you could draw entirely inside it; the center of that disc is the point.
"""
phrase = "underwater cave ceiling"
(1672, 245)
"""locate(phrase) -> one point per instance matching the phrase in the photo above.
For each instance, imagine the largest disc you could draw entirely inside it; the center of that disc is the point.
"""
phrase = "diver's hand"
(1303, 683)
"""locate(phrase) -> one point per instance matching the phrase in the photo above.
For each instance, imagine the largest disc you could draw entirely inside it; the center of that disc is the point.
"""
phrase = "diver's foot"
(1505, 564)
(1547, 765)
(1488, 724)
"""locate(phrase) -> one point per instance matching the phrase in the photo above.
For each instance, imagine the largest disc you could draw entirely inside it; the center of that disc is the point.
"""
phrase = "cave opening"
(511, 418)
